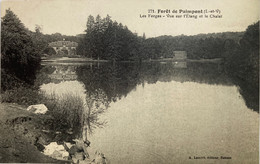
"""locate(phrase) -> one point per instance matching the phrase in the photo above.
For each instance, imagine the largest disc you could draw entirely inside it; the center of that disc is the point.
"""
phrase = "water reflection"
(99, 84)
(135, 100)
(64, 73)
(120, 79)
(180, 64)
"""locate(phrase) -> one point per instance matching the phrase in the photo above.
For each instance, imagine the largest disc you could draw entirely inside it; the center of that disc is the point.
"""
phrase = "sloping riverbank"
(20, 135)
(25, 136)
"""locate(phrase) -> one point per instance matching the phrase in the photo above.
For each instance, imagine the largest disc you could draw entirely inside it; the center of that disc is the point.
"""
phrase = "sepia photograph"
(129, 81)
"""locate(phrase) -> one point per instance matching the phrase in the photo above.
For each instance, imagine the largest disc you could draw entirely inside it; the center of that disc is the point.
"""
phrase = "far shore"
(78, 59)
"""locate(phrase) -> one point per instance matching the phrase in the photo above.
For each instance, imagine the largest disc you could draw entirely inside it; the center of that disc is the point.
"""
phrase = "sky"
(69, 17)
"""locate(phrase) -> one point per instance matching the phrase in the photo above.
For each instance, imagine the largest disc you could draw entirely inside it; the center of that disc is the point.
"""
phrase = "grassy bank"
(66, 109)
(69, 112)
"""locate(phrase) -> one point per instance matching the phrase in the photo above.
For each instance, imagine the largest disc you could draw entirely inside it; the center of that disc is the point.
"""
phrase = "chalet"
(64, 47)
(180, 55)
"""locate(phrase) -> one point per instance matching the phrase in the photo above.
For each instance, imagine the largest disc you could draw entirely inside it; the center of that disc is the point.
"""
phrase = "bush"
(67, 109)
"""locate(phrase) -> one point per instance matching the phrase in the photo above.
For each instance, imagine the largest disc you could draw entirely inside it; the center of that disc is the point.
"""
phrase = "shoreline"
(82, 60)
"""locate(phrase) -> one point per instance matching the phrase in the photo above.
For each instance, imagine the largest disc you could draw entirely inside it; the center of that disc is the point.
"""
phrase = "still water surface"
(161, 112)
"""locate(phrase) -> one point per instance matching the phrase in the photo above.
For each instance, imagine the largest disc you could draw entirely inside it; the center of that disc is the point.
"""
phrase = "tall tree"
(106, 39)
(38, 40)
(19, 56)
(90, 23)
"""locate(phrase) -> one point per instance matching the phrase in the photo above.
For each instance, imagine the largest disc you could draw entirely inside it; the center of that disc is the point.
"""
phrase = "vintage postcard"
(129, 81)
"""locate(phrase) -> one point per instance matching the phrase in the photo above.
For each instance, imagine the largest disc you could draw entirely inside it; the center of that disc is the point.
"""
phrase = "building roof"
(179, 51)
(62, 43)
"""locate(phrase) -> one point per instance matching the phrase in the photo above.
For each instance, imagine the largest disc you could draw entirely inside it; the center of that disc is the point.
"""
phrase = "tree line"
(108, 40)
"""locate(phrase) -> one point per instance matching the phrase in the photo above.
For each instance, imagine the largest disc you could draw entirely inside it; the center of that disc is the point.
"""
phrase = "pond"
(169, 112)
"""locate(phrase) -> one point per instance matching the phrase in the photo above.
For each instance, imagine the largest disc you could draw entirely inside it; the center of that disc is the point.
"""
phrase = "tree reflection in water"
(95, 105)
(103, 83)
(117, 80)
